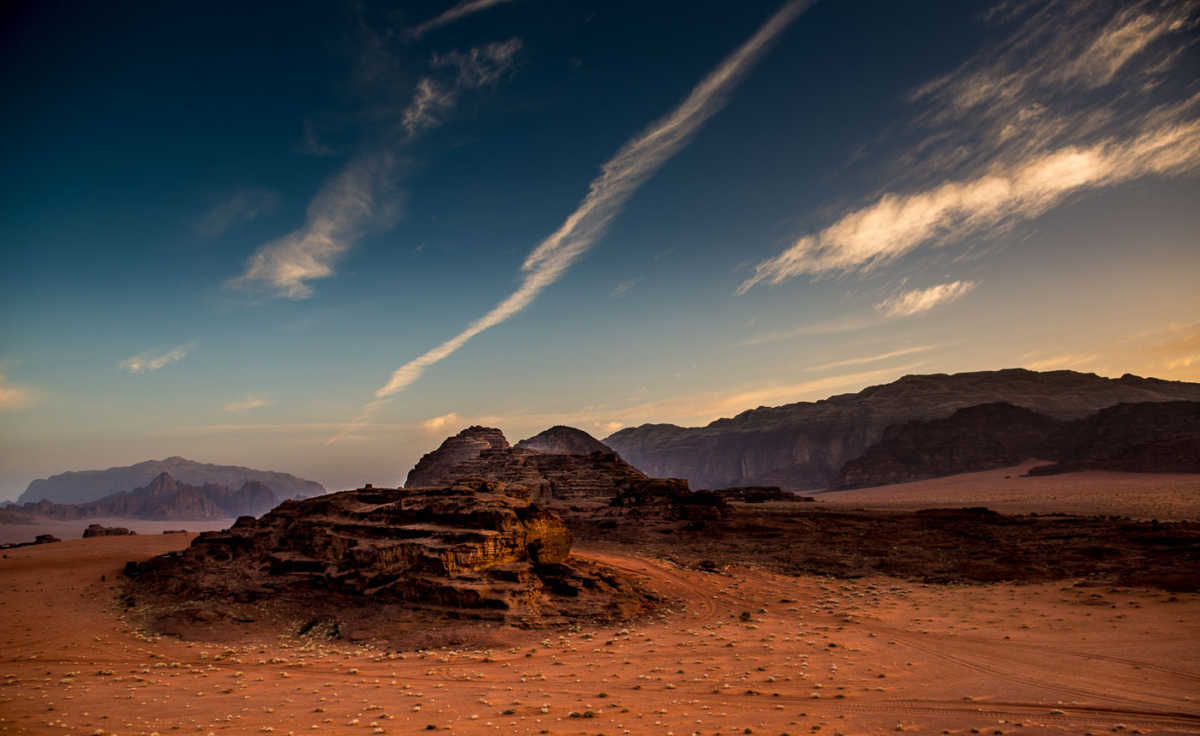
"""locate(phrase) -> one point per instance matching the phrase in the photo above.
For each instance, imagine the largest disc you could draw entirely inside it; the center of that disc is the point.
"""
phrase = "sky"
(320, 239)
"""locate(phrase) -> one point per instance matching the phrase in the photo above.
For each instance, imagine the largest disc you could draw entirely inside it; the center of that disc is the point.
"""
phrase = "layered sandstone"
(473, 548)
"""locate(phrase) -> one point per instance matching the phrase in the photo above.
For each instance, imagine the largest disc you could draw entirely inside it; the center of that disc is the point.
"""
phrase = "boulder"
(96, 530)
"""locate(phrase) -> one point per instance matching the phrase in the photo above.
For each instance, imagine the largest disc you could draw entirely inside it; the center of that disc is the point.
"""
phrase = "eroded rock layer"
(471, 549)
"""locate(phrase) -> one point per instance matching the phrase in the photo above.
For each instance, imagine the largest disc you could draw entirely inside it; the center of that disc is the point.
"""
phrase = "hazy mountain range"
(89, 485)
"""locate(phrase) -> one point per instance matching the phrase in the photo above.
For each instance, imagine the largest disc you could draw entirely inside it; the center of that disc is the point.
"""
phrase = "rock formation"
(165, 498)
(670, 498)
(90, 485)
(805, 445)
(39, 539)
(96, 530)
(975, 438)
(475, 549)
(759, 494)
(560, 440)
(554, 479)
(434, 468)
(1161, 437)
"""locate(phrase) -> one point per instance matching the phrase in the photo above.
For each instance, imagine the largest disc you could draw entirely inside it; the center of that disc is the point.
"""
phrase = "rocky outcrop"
(96, 530)
(560, 440)
(165, 498)
(805, 445)
(1151, 437)
(669, 498)
(976, 438)
(1161, 437)
(552, 479)
(89, 485)
(473, 548)
(39, 539)
(436, 468)
(759, 494)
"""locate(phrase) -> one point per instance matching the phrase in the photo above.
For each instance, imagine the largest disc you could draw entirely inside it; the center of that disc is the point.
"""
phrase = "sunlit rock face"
(477, 546)
(432, 468)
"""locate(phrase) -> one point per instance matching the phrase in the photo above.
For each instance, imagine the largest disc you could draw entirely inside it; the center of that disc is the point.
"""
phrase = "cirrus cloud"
(151, 361)
(915, 301)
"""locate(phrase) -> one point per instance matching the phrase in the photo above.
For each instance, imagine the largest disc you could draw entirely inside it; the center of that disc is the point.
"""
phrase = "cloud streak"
(149, 361)
(250, 402)
(915, 301)
(244, 206)
(364, 195)
(872, 358)
(457, 12)
(1018, 130)
(894, 225)
(620, 177)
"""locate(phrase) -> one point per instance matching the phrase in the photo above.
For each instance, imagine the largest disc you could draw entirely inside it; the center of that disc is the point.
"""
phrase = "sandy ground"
(12, 533)
(822, 656)
(1162, 496)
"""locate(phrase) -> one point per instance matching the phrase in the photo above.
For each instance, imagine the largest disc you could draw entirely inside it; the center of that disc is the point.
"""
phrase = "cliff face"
(976, 438)
(562, 440)
(1159, 437)
(165, 498)
(90, 485)
(804, 445)
(1151, 437)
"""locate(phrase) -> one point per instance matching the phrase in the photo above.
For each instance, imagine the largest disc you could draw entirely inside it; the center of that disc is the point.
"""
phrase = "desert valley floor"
(738, 650)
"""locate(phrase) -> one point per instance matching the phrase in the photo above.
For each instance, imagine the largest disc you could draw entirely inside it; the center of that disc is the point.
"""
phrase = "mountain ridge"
(83, 486)
(803, 445)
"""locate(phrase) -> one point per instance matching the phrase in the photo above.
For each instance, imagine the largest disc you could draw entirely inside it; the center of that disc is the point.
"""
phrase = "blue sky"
(319, 239)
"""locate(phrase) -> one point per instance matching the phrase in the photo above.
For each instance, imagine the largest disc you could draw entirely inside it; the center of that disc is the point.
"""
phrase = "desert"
(592, 368)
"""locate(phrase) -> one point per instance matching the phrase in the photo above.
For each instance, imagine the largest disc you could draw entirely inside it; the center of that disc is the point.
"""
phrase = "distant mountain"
(976, 438)
(1142, 438)
(165, 498)
(804, 445)
(560, 440)
(88, 485)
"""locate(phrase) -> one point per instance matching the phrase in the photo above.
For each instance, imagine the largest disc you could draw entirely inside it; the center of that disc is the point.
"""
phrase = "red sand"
(1162, 496)
(851, 657)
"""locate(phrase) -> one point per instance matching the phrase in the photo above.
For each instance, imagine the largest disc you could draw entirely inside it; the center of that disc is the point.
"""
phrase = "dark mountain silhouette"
(805, 445)
(165, 498)
(88, 485)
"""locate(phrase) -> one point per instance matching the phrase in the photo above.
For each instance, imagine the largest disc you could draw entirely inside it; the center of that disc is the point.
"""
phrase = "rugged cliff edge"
(805, 445)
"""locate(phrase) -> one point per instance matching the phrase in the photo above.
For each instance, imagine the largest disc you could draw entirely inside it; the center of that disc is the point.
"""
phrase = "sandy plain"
(739, 651)
(1162, 496)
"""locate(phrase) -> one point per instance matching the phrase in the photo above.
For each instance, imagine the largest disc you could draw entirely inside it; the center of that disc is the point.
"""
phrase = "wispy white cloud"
(915, 301)
(620, 289)
(620, 177)
(441, 423)
(1019, 129)
(459, 10)
(872, 358)
(365, 195)
(835, 326)
(361, 195)
(13, 397)
(896, 224)
(479, 67)
(244, 206)
(246, 404)
(1069, 360)
(151, 361)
